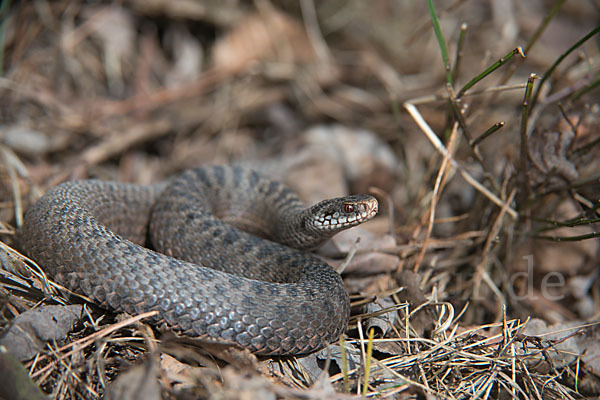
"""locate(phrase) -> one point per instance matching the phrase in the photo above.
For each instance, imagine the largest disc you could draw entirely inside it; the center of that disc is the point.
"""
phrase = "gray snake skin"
(215, 271)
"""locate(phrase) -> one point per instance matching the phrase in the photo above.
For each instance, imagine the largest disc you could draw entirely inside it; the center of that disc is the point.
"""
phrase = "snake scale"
(227, 261)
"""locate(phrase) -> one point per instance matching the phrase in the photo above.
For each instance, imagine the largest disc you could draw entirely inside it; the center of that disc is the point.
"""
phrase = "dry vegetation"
(479, 279)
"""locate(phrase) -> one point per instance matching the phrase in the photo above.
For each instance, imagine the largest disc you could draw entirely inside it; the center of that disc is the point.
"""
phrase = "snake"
(220, 251)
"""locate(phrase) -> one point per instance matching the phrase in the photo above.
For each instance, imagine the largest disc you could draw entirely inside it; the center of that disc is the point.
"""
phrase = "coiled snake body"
(217, 272)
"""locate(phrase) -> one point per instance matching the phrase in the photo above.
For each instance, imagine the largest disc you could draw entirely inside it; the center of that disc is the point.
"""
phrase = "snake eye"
(348, 208)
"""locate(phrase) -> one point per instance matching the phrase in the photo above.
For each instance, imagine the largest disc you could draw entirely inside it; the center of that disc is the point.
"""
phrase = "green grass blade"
(489, 70)
(487, 133)
(559, 60)
(344, 364)
(555, 8)
(459, 48)
(368, 361)
(440, 38)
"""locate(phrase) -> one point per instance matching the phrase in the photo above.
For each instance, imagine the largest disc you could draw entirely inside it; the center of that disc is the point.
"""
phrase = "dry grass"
(492, 199)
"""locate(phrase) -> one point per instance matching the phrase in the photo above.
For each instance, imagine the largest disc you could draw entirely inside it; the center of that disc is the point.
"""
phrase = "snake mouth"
(351, 213)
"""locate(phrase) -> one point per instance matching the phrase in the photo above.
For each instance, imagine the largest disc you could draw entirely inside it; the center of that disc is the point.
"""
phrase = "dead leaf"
(367, 260)
(343, 242)
(138, 383)
(365, 159)
(315, 177)
(423, 320)
(266, 36)
(369, 264)
(381, 322)
(181, 375)
(581, 288)
(25, 140)
(564, 257)
(393, 348)
(353, 356)
(568, 341)
(187, 56)
(15, 382)
(548, 155)
(113, 27)
(28, 333)
(245, 386)
(233, 355)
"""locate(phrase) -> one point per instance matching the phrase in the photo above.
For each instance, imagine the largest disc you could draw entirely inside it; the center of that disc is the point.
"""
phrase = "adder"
(227, 261)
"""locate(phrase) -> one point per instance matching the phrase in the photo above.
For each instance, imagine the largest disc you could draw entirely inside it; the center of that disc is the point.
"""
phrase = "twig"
(436, 194)
(313, 30)
(121, 141)
(349, 257)
(412, 110)
(524, 151)
(86, 341)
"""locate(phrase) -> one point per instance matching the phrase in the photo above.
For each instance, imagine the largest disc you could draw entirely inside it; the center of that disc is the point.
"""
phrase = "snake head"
(341, 213)
(311, 227)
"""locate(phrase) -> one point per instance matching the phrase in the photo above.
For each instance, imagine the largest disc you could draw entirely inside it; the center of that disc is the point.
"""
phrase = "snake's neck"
(298, 231)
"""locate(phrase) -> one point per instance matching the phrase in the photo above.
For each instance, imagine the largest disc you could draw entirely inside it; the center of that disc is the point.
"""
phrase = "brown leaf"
(266, 36)
(565, 257)
(382, 323)
(548, 155)
(181, 375)
(423, 320)
(138, 383)
(15, 382)
(569, 340)
(365, 159)
(369, 262)
(28, 333)
(344, 241)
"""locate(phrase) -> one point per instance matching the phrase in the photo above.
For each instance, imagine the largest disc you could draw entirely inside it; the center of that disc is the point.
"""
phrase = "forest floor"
(479, 278)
